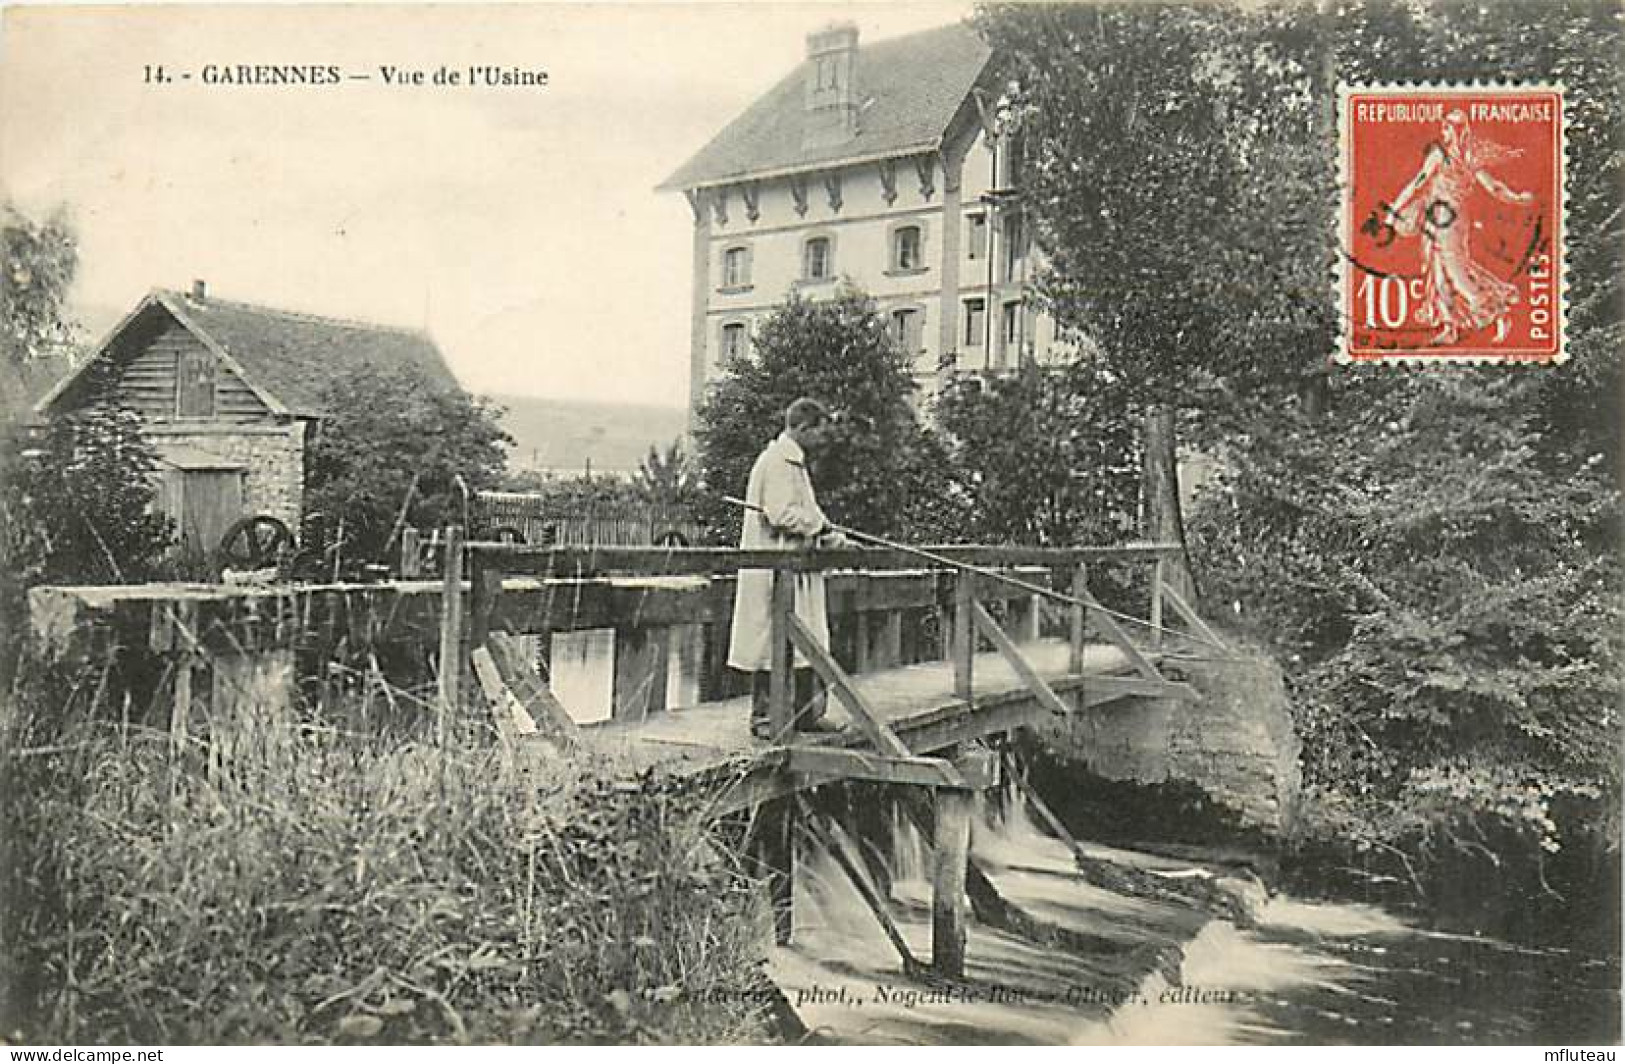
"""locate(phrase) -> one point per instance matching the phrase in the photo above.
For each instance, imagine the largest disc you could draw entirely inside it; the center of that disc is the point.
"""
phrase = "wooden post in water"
(964, 641)
(451, 630)
(950, 856)
(1078, 617)
(781, 714)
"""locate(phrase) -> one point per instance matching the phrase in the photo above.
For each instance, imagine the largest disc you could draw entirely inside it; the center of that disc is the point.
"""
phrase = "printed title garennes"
(322, 74)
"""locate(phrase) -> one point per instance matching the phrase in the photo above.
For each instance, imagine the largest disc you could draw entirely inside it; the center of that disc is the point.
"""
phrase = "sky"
(519, 225)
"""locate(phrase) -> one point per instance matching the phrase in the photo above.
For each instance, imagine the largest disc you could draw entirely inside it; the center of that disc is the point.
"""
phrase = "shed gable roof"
(285, 357)
(910, 87)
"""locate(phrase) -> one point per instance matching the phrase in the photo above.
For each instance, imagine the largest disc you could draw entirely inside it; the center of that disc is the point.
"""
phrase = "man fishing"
(783, 513)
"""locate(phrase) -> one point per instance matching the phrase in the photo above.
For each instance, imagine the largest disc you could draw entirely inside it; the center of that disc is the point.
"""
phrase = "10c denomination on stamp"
(1452, 224)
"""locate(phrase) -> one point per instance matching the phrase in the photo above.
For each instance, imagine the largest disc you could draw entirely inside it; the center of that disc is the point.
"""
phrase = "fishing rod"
(991, 574)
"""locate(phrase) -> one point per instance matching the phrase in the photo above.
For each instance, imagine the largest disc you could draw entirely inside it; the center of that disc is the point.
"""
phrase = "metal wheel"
(671, 538)
(254, 543)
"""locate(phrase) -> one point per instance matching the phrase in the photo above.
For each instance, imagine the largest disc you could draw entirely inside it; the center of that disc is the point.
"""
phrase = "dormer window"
(817, 256)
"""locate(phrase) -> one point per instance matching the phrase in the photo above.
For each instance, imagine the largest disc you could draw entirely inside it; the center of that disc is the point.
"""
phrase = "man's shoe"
(761, 729)
(821, 727)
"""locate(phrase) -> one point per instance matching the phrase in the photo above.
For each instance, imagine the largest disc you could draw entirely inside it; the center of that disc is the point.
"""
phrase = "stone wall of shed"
(272, 454)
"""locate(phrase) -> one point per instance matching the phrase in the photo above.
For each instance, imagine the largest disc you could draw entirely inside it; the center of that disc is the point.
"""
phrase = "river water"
(1312, 973)
(1305, 973)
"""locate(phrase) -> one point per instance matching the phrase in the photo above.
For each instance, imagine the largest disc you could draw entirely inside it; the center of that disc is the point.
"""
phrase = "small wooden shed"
(230, 394)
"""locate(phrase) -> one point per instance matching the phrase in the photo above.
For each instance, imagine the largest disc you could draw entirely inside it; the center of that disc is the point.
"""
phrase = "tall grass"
(327, 887)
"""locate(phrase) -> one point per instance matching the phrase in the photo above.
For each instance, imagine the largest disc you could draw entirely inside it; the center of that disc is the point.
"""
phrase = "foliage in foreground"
(338, 890)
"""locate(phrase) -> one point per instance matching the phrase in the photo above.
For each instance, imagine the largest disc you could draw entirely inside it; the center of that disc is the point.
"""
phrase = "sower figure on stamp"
(787, 517)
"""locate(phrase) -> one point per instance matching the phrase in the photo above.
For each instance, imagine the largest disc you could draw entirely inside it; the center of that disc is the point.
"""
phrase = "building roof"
(286, 357)
(910, 87)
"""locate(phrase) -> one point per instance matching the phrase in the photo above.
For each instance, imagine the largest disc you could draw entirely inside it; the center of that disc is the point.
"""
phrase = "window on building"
(905, 248)
(735, 341)
(194, 383)
(815, 259)
(1010, 327)
(736, 267)
(1015, 248)
(976, 236)
(1011, 162)
(905, 329)
(975, 321)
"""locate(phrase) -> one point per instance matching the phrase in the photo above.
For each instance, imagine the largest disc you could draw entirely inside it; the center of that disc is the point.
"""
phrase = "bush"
(1447, 605)
(394, 458)
(882, 472)
(354, 891)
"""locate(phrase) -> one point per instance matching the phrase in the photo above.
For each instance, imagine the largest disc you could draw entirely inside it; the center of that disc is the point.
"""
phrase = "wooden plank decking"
(916, 701)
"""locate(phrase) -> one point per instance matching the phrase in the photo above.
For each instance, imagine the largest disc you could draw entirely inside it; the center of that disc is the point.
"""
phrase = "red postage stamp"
(1452, 224)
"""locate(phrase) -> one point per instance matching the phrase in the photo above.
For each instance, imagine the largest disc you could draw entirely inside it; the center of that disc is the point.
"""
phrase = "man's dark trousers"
(807, 700)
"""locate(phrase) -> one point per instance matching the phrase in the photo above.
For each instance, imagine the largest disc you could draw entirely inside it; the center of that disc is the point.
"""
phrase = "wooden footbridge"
(929, 661)
(920, 724)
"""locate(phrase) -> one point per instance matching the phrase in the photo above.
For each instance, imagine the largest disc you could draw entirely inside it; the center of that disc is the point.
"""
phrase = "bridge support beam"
(776, 853)
(949, 859)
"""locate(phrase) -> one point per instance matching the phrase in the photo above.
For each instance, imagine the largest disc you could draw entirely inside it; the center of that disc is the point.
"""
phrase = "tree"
(392, 453)
(1434, 556)
(666, 477)
(1437, 557)
(78, 510)
(39, 259)
(1171, 183)
(1045, 456)
(883, 473)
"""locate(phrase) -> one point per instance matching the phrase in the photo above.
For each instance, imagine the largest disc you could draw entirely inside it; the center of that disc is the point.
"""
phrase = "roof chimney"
(832, 86)
(199, 290)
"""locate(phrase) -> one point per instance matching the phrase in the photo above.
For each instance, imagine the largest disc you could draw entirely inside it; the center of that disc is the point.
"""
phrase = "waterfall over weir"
(1112, 969)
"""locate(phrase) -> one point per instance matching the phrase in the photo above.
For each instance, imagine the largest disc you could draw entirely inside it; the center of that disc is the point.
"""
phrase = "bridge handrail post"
(451, 632)
(964, 639)
(1157, 578)
(484, 584)
(1077, 616)
(781, 682)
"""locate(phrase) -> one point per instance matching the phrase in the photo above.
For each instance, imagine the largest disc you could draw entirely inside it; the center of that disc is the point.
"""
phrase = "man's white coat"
(790, 518)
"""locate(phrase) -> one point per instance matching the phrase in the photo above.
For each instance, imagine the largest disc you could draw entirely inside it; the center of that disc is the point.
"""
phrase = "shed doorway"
(203, 494)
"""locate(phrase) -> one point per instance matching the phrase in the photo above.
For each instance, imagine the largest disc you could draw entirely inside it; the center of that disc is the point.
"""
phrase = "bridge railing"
(634, 590)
